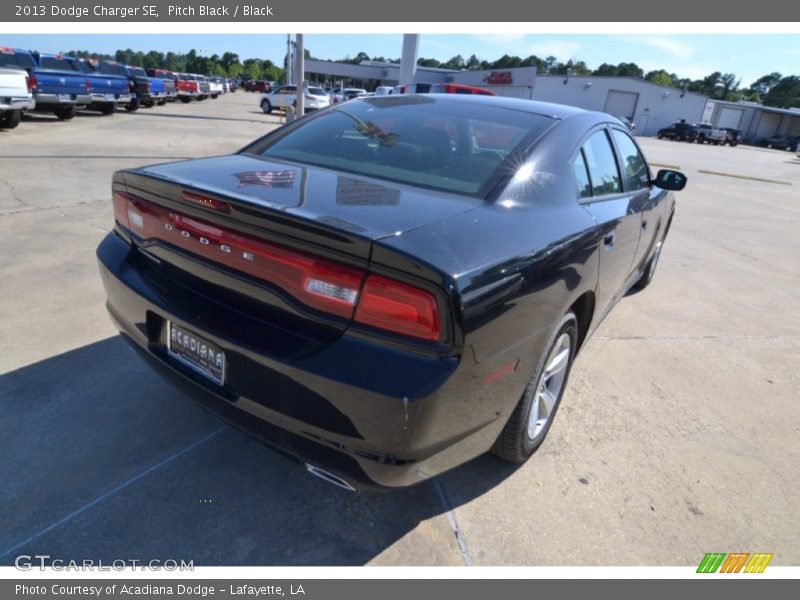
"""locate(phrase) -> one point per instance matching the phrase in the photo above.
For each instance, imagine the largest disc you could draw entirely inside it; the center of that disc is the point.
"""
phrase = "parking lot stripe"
(113, 491)
(748, 177)
(451, 517)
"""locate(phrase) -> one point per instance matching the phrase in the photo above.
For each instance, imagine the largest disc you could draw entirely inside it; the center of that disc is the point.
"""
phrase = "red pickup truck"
(186, 87)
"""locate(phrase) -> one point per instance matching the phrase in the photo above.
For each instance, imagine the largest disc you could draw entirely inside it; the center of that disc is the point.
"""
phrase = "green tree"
(660, 77)
(785, 93)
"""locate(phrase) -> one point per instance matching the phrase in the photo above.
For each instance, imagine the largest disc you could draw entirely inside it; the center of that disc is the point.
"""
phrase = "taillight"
(31, 81)
(398, 307)
(320, 283)
(87, 85)
(131, 86)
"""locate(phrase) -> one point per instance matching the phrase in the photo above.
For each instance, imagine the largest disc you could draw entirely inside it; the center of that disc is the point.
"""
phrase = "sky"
(692, 56)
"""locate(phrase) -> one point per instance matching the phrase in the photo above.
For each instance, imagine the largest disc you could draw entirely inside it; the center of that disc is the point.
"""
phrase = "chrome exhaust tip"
(329, 477)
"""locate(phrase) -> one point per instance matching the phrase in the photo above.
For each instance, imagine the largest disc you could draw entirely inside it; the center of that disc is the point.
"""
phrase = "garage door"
(768, 125)
(621, 104)
(730, 117)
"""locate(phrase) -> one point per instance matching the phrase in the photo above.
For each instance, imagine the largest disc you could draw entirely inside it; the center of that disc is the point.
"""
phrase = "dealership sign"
(499, 78)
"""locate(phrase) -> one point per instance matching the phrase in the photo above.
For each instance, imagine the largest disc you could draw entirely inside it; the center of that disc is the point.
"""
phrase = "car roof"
(558, 111)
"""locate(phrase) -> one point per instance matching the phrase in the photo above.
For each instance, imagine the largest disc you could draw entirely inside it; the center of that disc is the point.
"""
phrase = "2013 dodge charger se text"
(390, 287)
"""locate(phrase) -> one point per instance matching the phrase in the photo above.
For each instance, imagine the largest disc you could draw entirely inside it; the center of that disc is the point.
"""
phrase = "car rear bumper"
(98, 98)
(17, 103)
(55, 99)
(380, 417)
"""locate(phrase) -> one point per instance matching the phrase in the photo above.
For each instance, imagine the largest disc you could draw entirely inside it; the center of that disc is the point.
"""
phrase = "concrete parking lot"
(677, 436)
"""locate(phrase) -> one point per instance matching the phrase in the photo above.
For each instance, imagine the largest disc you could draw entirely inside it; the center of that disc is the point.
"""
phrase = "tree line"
(227, 65)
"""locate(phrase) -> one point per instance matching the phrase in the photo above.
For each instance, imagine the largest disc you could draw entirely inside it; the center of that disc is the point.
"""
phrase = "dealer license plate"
(196, 352)
(64, 98)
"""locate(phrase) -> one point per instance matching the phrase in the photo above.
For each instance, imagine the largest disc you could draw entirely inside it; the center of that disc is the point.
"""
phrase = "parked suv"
(781, 142)
(254, 85)
(732, 136)
(679, 131)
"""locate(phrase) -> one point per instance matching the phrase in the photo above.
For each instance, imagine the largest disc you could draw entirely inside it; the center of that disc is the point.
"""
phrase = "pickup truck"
(106, 90)
(217, 86)
(678, 131)
(56, 86)
(158, 94)
(170, 80)
(138, 84)
(203, 86)
(708, 134)
(15, 91)
(185, 87)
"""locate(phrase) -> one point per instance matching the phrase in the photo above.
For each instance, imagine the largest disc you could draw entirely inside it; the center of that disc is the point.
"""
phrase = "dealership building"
(648, 105)
(756, 121)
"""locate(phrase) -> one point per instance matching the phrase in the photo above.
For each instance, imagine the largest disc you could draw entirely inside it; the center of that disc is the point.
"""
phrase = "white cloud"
(561, 49)
(676, 48)
(518, 44)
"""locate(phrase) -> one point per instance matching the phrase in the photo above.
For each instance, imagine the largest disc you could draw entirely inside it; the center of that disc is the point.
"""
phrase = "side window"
(583, 185)
(601, 164)
(635, 171)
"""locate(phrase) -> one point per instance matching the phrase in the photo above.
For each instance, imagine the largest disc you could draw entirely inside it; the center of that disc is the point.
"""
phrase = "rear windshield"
(450, 146)
(109, 69)
(139, 72)
(49, 62)
(83, 67)
(316, 91)
(16, 59)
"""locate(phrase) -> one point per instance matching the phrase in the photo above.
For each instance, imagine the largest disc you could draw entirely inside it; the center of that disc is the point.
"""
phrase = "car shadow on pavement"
(105, 461)
(199, 117)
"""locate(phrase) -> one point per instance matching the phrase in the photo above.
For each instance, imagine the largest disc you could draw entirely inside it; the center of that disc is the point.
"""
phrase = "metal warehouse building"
(646, 104)
(756, 121)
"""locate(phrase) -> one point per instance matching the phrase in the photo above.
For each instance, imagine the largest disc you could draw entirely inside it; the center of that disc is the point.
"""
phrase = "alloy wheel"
(549, 386)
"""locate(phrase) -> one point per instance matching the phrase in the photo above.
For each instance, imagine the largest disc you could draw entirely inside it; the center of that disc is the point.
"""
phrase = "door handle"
(608, 240)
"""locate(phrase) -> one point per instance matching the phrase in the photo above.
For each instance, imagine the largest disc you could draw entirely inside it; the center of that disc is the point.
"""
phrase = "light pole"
(301, 75)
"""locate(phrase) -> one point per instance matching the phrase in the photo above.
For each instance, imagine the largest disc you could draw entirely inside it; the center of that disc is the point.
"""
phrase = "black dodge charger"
(392, 286)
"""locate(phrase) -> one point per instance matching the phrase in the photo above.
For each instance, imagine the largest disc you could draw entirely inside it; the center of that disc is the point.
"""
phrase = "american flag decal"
(270, 179)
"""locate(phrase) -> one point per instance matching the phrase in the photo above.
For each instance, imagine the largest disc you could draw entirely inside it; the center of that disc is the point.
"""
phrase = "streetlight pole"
(301, 75)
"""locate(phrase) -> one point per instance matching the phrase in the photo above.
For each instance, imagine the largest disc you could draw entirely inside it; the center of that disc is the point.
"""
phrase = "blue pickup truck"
(56, 86)
(106, 90)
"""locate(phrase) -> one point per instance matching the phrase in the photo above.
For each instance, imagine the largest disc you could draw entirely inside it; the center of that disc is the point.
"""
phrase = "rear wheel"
(660, 135)
(531, 420)
(133, 105)
(10, 119)
(64, 113)
(266, 106)
(107, 109)
(186, 99)
(161, 102)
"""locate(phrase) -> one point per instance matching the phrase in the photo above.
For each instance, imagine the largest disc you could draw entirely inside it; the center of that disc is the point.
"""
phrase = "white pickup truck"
(712, 135)
(15, 96)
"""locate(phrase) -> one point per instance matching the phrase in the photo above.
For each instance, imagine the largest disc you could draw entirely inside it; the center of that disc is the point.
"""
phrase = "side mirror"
(670, 180)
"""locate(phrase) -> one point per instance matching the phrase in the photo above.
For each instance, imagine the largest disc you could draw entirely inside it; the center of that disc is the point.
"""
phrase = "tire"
(523, 433)
(64, 113)
(10, 119)
(107, 109)
(266, 106)
(161, 102)
(660, 136)
(214, 96)
(678, 138)
(132, 106)
(186, 99)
